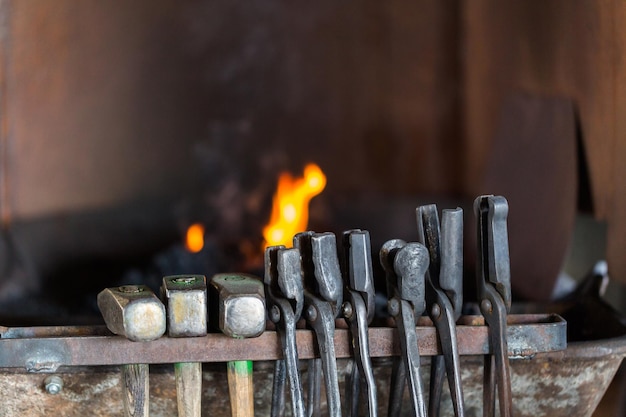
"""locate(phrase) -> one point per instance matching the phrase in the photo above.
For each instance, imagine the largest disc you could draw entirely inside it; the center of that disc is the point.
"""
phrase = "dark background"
(123, 122)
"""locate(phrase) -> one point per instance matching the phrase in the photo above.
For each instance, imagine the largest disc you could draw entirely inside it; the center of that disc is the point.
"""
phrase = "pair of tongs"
(494, 296)
(284, 301)
(358, 310)
(405, 265)
(444, 298)
(323, 296)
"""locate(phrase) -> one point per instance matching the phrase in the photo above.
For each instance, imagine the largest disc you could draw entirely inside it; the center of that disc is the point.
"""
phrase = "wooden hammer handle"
(136, 388)
(188, 388)
(241, 388)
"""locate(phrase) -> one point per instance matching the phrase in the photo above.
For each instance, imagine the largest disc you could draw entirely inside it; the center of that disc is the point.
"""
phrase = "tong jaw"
(320, 266)
(445, 298)
(386, 255)
(358, 267)
(429, 235)
(358, 310)
(494, 263)
(281, 266)
(410, 263)
(494, 292)
(285, 300)
(451, 270)
(445, 270)
(405, 265)
(323, 295)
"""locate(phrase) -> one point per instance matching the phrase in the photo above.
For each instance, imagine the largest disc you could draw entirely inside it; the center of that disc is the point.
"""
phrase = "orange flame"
(290, 209)
(194, 240)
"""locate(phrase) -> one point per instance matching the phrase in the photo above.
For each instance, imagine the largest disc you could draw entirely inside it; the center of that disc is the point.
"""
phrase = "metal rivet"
(435, 311)
(53, 384)
(486, 307)
(275, 314)
(311, 313)
(347, 310)
(393, 306)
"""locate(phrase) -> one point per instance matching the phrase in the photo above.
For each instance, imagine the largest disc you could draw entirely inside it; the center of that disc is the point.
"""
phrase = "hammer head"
(186, 299)
(240, 302)
(133, 311)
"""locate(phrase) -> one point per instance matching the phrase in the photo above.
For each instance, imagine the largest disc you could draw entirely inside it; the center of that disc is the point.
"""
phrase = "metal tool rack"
(85, 355)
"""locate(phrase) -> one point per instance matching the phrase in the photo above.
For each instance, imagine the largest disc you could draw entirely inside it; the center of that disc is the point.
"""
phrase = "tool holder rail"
(45, 349)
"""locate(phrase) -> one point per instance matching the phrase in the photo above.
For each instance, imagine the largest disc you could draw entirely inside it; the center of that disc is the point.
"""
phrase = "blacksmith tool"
(323, 296)
(240, 301)
(358, 310)
(398, 373)
(494, 295)
(185, 299)
(284, 302)
(133, 311)
(444, 298)
(405, 265)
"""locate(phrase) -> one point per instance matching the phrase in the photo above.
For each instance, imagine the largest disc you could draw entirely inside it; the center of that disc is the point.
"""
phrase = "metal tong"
(405, 265)
(358, 310)
(323, 295)
(444, 298)
(494, 296)
(284, 301)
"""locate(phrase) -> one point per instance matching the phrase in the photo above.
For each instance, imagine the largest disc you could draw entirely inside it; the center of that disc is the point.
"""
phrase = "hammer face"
(241, 302)
(133, 311)
(243, 317)
(186, 299)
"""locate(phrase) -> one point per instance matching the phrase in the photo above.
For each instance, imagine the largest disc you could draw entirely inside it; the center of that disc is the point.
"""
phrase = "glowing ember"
(290, 210)
(194, 241)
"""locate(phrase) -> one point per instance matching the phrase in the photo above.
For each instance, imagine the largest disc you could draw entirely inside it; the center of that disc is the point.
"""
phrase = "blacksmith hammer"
(240, 303)
(186, 299)
(133, 311)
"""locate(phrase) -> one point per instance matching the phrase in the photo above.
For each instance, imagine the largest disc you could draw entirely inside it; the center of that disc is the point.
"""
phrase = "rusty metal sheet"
(528, 334)
(559, 384)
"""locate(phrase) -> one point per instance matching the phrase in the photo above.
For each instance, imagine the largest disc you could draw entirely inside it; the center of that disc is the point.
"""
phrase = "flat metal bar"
(526, 334)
